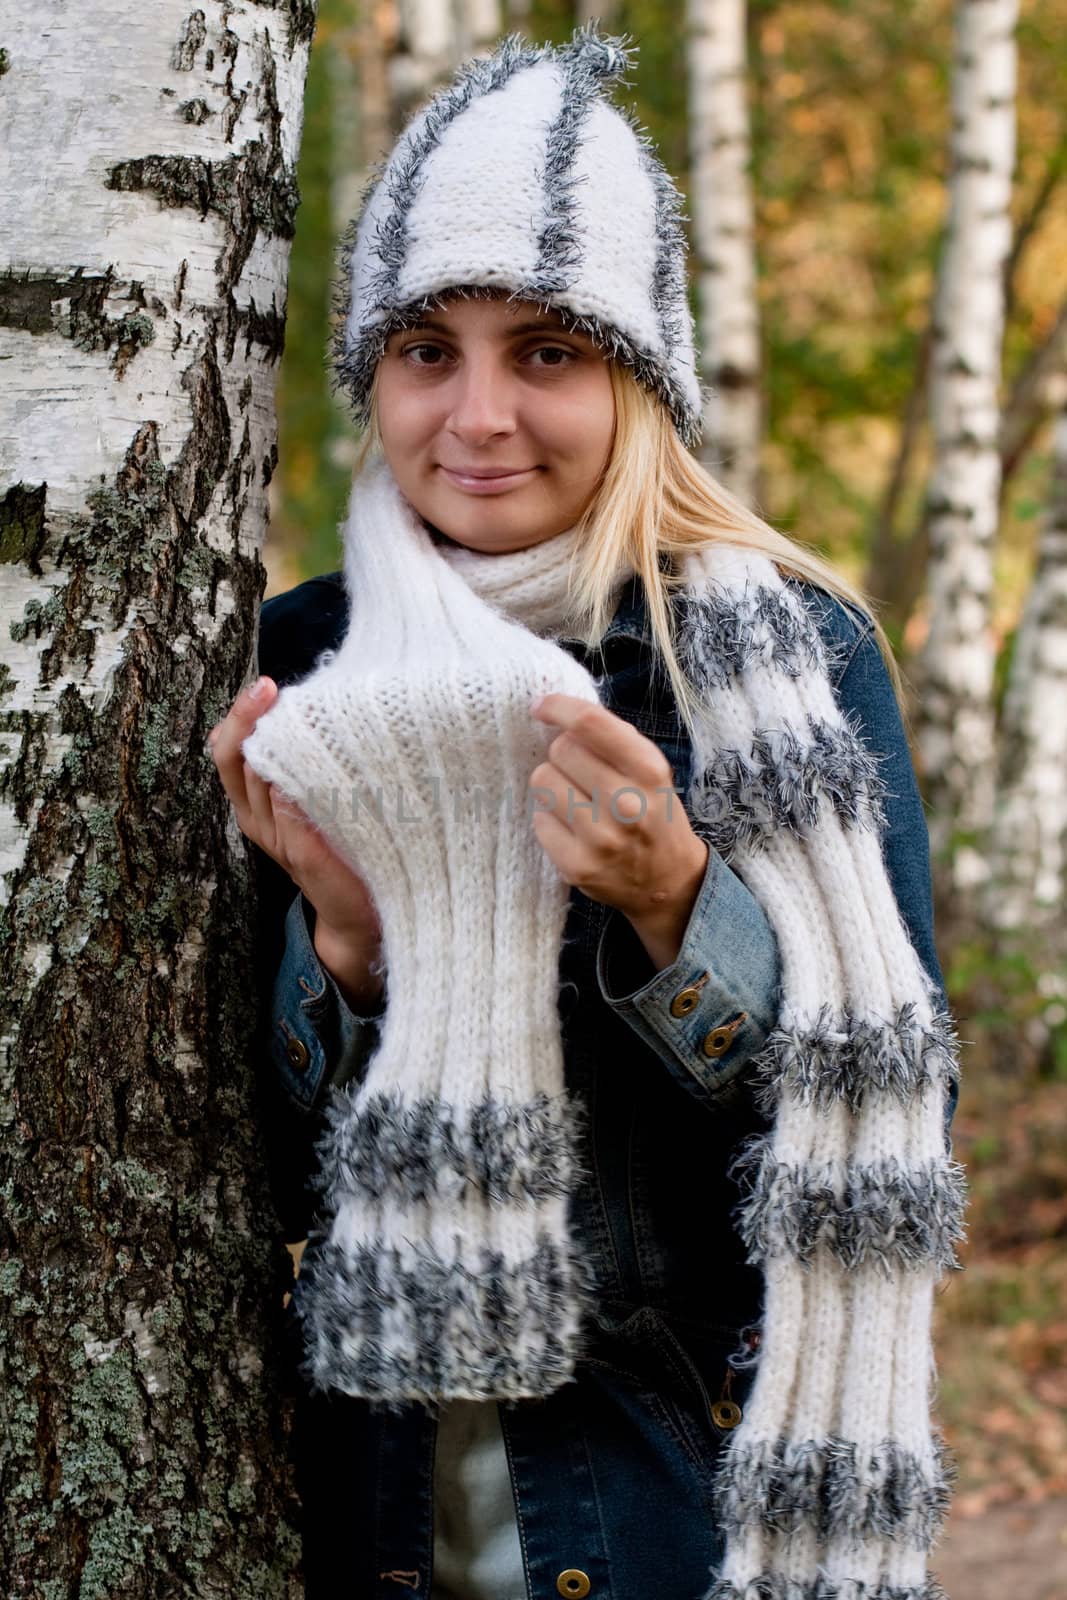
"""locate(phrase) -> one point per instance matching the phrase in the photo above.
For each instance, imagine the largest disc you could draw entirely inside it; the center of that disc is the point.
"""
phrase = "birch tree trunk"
(425, 53)
(606, 12)
(723, 236)
(435, 37)
(478, 26)
(148, 194)
(517, 15)
(956, 711)
(361, 108)
(1037, 394)
(1028, 885)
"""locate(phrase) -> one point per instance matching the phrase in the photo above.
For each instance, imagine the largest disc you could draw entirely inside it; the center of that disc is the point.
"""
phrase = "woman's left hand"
(613, 822)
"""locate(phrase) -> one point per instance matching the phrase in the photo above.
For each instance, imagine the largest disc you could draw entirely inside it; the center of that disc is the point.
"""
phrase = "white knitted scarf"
(441, 1265)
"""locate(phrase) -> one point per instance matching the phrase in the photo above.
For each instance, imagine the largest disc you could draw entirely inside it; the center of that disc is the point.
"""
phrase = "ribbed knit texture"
(834, 1485)
(442, 1265)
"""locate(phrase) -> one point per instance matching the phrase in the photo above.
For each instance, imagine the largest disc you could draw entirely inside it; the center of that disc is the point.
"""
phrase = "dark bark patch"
(73, 307)
(259, 326)
(206, 451)
(22, 523)
(195, 111)
(193, 34)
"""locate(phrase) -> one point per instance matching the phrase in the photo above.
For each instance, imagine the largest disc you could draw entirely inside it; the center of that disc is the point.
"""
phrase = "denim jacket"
(612, 1473)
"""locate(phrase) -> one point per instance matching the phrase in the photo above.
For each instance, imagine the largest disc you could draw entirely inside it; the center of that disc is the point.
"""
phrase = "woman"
(613, 907)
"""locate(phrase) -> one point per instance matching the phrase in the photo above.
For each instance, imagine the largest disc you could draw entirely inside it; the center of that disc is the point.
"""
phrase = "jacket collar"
(631, 619)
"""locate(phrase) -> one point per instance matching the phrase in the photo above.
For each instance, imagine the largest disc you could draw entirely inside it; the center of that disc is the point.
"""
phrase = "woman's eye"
(552, 351)
(553, 357)
(414, 349)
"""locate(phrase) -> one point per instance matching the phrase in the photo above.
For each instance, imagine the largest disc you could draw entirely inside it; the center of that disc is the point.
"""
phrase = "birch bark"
(435, 37)
(605, 12)
(147, 159)
(723, 237)
(1028, 884)
(478, 27)
(424, 50)
(955, 725)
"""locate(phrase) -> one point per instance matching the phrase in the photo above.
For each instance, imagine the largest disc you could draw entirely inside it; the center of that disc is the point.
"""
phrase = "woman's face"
(496, 422)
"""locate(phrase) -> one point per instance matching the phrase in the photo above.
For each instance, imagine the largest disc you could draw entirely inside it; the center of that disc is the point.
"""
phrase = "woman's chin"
(490, 527)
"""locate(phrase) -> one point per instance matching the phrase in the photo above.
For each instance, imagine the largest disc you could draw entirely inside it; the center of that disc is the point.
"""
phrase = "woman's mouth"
(487, 480)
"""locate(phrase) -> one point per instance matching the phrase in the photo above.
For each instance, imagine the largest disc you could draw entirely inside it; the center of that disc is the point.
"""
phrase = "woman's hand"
(614, 824)
(347, 927)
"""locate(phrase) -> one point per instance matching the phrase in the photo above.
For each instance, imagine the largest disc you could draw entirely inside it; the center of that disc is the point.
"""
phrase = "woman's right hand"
(347, 927)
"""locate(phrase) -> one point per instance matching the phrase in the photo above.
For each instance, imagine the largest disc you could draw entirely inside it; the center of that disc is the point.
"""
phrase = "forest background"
(849, 107)
(877, 202)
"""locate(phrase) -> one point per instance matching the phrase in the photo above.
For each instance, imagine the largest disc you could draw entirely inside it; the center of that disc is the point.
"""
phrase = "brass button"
(687, 999)
(296, 1052)
(726, 1414)
(574, 1583)
(719, 1040)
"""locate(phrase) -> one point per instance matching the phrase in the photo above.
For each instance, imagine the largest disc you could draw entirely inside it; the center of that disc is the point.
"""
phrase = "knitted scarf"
(441, 1265)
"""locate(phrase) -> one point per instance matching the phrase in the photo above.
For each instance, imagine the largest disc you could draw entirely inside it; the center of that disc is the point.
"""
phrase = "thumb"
(256, 698)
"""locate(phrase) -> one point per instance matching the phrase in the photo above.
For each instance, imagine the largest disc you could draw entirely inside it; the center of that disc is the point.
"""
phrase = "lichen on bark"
(142, 1269)
(128, 1099)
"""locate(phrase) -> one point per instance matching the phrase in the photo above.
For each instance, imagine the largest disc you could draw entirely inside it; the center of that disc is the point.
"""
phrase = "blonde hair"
(656, 499)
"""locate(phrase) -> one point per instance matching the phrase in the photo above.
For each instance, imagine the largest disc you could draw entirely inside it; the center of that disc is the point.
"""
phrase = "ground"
(1009, 1552)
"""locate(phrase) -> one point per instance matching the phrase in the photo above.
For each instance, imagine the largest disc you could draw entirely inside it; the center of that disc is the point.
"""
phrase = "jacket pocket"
(708, 1393)
(684, 1380)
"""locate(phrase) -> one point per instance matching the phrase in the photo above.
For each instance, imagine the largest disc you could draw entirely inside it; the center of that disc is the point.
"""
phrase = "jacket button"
(574, 1583)
(296, 1052)
(687, 999)
(726, 1414)
(719, 1040)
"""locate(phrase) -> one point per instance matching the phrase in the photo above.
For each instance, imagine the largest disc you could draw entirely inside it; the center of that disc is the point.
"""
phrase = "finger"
(616, 742)
(286, 812)
(559, 843)
(226, 746)
(258, 793)
(296, 833)
(585, 770)
(553, 795)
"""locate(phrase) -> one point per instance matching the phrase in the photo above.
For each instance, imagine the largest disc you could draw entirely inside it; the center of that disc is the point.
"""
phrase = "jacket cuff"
(711, 1010)
(317, 1041)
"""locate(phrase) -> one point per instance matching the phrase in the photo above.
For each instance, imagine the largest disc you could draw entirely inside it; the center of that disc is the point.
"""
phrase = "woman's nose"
(484, 401)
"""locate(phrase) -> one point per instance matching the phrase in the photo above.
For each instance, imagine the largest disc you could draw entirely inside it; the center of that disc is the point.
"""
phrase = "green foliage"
(1012, 997)
(850, 119)
(312, 483)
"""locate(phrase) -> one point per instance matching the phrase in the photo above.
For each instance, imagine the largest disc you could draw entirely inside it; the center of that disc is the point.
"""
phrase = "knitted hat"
(523, 177)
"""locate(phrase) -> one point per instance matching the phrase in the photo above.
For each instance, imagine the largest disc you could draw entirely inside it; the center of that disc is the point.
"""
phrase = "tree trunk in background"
(723, 233)
(148, 197)
(956, 709)
(606, 13)
(1028, 886)
(423, 54)
(478, 27)
(435, 36)
(517, 15)
(361, 135)
(896, 566)
(1039, 391)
